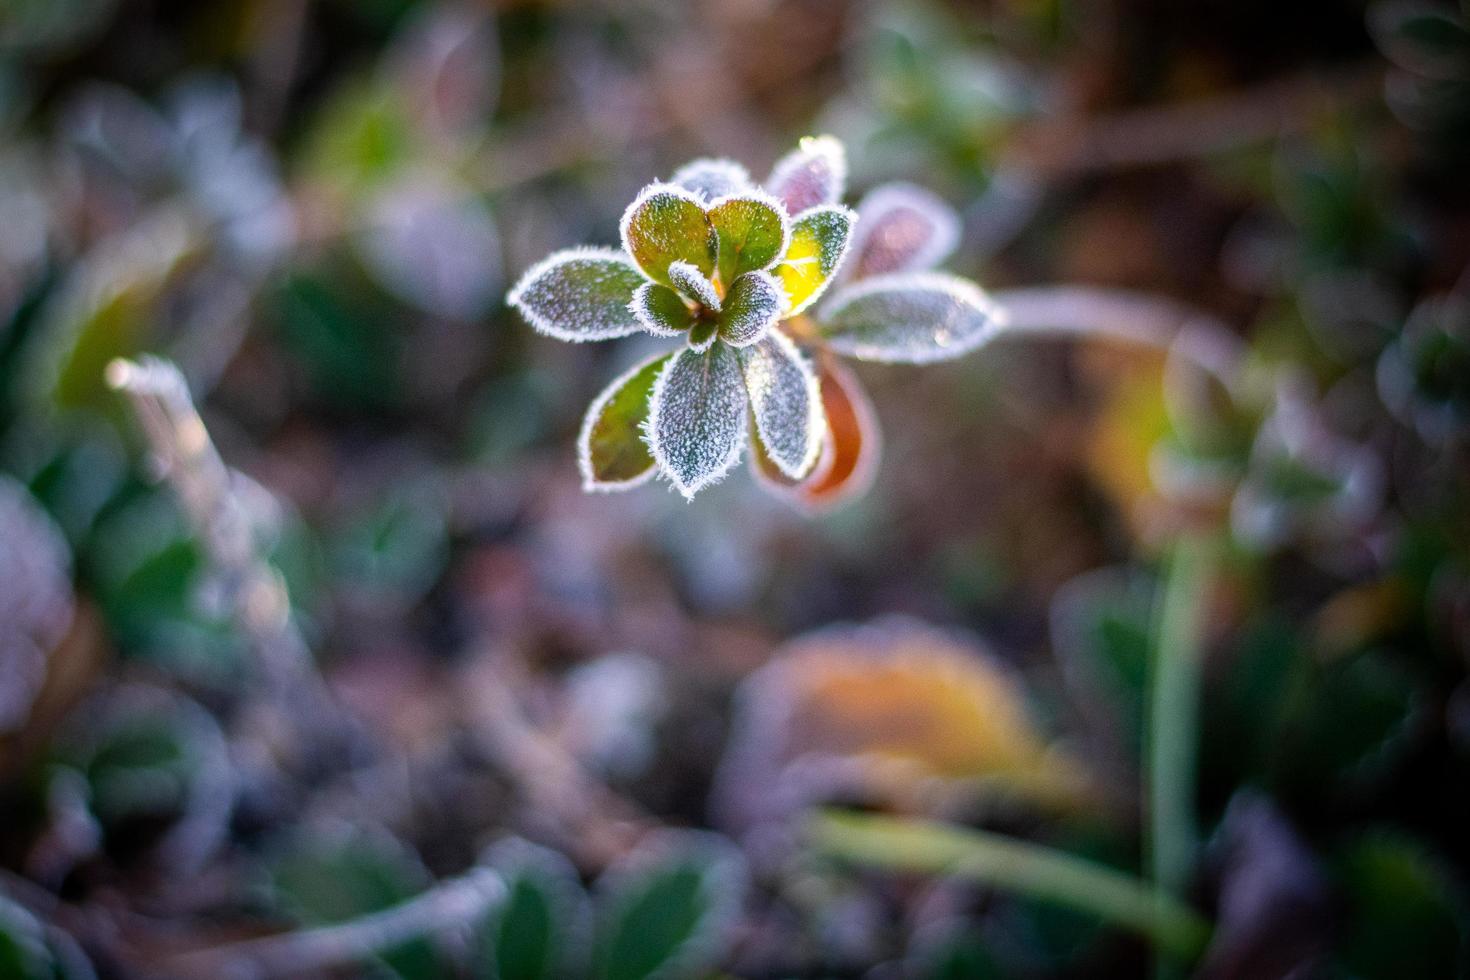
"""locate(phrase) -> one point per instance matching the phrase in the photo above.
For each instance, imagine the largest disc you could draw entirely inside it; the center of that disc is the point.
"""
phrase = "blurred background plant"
(1166, 590)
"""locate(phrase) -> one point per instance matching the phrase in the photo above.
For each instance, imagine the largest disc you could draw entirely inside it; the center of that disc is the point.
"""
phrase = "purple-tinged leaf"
(712, 178)
(904, 228)
(812, 174)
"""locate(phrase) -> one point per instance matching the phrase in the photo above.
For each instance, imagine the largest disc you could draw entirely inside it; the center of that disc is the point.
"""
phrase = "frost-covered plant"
(742, 274)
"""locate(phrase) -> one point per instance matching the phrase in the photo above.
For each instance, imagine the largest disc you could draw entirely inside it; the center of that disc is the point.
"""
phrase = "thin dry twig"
(1120, 314)
(596, 823)
(187, 458)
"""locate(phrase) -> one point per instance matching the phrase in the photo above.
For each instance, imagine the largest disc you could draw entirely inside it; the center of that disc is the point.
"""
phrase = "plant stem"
(1173, 719)
(1029, 869)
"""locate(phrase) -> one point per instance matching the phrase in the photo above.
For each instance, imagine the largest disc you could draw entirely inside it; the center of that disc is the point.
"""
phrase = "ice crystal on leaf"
(742, 273)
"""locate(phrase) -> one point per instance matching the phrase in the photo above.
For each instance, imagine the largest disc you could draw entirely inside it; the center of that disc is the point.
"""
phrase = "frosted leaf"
(785, 401)
(819, 240)
(851, 445)
(814, 173)
(712, 178)
(611, 452)
(910, 318)
(904, 228)
(703, 334)
(579, 294)
(752, 231)
(752, 307)
(665, 224)
(660, 310)
(696, 424)
(693, 284)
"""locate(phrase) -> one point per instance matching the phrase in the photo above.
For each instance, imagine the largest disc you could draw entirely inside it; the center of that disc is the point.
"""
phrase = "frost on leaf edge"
(958, 287)
(821, 290)
(761, 196)
(732, 169)
(642, 312)
(946, 221)
(590, 483)
(649, 190)
(783, 303)
(816, 412)
(699, 284)
(650, 430)
(825, 145)
(544, 326)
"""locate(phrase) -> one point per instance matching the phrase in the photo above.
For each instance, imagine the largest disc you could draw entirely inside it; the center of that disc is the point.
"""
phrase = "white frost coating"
(711, 177)
(771, 201)
(652, 190)
(905, 228)
(590, 482)
(578, 294)
(693, 284)
(696, 419)
(910, 318)
(752, 307)
(814, 173)
(786, 401)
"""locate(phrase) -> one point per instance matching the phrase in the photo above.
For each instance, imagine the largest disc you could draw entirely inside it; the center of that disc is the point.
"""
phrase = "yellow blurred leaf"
(1130, 421)
(898, 712)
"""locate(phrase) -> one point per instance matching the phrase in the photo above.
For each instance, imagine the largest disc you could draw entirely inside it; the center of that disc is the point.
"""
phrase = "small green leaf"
(712, 178)
(1406, 917)
(815, 173)
(667, 224)
(540, 927)
(910, 318)
(610, 449)
(752, 307)
(752, 232)
(660, 310)
(703, 334)
(697, 421)
(669, 912)
(693, 284)
(818, 243)
(326, 879)
(579, 294)
(786, 403)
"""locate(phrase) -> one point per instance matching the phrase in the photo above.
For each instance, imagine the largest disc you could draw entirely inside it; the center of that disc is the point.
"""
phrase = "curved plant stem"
(1173, 717)
(1120, 314)
(1028, 869)
(452, 904)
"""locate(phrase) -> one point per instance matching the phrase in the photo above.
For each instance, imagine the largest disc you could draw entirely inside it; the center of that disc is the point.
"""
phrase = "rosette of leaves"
(765, 285)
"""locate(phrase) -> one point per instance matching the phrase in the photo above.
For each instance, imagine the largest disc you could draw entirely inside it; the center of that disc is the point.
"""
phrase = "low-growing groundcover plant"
(764, 284)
